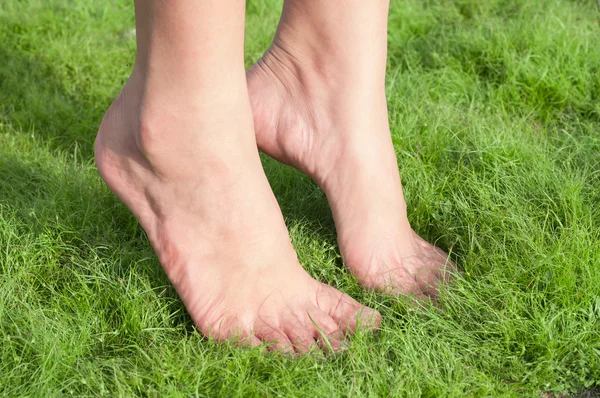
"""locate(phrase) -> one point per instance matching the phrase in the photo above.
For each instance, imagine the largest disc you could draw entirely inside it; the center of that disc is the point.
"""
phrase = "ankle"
(349, 48)
(314, 73)
(176, 132)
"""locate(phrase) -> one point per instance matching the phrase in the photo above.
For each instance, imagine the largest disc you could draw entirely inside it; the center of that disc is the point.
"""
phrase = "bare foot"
(332, 124)
(188, 168)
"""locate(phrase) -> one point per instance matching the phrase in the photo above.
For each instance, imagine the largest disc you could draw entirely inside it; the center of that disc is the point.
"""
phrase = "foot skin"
(332, 124)
(213, 221)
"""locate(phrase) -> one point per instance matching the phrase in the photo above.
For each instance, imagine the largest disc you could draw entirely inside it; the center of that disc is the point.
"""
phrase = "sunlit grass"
(495, 115)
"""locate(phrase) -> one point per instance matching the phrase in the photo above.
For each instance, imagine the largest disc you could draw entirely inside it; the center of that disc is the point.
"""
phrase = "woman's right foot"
(188, 168)
(319, 105)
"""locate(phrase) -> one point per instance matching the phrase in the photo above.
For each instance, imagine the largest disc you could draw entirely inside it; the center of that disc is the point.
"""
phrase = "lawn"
(495, 115)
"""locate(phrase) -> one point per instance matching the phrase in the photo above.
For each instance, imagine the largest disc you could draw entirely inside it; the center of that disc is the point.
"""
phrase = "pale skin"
(179, 148)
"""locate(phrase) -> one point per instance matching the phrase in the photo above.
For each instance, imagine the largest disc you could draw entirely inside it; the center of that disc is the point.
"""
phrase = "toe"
(398, 281)
(428, 281)
(447, 270)
(348, 313)
(446, 273)
(440, 266)
(275, 339)
(231, 329)
(251, 341)
(314, 329)
(227, 329)
(326, 331)
(244, 338)
(301, 336)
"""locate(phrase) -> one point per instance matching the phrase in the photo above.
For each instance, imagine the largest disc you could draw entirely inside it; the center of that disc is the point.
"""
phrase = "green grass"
(495, 113)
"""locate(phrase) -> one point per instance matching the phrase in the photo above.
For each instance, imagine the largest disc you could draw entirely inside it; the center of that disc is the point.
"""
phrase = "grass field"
(495, 113)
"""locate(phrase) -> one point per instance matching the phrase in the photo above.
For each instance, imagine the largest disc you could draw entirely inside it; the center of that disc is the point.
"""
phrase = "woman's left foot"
(332, 124)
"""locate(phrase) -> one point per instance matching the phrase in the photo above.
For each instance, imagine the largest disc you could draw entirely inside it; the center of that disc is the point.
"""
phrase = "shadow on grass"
(43, 98)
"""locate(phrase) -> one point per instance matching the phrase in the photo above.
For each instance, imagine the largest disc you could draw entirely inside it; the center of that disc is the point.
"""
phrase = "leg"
(178, 147)
(318, 97)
